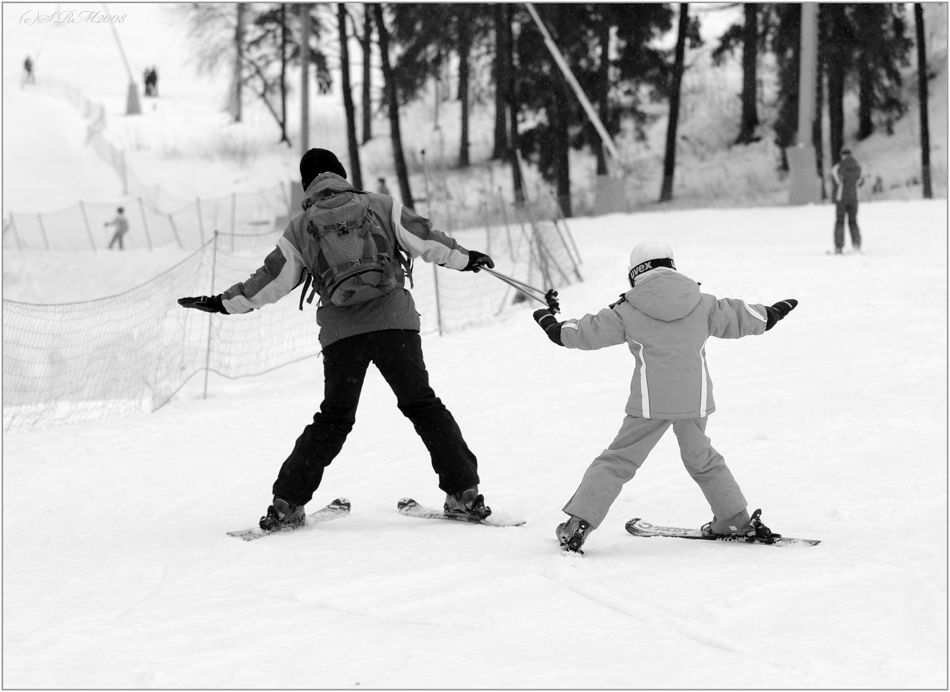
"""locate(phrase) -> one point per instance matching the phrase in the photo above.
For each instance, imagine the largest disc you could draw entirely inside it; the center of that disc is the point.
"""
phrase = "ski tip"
(341, 502)
(406, 502)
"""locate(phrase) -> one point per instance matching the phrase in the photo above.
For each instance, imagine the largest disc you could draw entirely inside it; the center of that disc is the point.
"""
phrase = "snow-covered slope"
(117, 572)
(834, 423)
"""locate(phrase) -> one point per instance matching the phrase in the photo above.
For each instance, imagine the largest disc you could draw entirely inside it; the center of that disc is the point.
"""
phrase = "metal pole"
(43, 231)
(214, 263)
(201, 224)
(171, 220)
(92, 240)
(148, 237)
(569, 76)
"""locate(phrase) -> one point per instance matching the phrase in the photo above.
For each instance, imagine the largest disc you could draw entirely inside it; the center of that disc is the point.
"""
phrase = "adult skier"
(354, 245)
(664, 320)
(847, 178)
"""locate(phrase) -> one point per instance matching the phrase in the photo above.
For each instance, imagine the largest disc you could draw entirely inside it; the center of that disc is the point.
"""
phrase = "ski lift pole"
(569, 76)
(435, 267)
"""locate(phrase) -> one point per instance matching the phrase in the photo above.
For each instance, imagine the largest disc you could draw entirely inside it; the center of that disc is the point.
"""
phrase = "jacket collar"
(324, 185)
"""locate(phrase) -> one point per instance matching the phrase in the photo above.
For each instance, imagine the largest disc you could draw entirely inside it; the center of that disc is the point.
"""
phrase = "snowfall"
(118, 573)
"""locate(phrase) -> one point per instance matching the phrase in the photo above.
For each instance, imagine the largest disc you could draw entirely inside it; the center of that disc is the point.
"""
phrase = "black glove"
(778, 311)
(477, 260)
(551, 298)
(549, 324)
(205, 303)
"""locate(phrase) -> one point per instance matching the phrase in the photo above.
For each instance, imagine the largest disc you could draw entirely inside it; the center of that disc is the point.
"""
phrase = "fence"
(132, 352)
(82, 226)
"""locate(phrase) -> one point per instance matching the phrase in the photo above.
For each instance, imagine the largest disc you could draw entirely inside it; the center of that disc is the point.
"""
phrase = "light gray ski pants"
(618, 463)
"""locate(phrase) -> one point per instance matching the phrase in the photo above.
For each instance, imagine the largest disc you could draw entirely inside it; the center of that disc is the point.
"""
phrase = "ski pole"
(524, 288)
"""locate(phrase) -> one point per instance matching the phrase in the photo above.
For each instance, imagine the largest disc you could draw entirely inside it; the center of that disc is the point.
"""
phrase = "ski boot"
(572, 534)
(467, 502)
(282, 514)
(754, 531)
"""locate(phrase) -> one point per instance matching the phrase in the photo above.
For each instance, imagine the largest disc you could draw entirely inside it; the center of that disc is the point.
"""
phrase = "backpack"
(354, 260)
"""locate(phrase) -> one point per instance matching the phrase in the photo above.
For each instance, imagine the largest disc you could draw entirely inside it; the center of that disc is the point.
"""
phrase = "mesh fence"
(132, 352)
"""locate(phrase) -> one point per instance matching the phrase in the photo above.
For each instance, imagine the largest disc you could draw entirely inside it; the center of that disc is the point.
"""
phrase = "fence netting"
(132, 352)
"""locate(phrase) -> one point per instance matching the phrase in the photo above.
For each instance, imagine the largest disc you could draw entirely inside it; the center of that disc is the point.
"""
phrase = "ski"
(638, 527)
(411, 508)
(336, 509)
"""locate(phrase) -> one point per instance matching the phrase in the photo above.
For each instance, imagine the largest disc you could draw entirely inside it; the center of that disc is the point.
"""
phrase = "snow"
(117, 572)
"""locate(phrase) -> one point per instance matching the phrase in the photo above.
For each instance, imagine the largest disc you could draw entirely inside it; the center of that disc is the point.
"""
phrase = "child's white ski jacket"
(665, 321)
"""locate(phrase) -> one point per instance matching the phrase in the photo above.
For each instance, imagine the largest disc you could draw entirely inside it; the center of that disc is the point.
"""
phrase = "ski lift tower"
(132, 105)
(805, 185)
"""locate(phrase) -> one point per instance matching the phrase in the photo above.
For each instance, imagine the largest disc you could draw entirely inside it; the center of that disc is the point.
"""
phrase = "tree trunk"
(402, 173)
(283, 74)
(502, 70)
(603, 89)
(669, 163)
(836, 75)
(512, 107)
(865, 100)
(922, 86)
(367, 99)
(817, 130)
(559, 108)
(349, 109)
(750, 48)
(239, 57)
(465, 47)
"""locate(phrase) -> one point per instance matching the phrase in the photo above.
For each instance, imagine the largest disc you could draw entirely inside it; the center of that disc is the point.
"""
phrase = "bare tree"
(922, 85)
(402, 172)
(348, 107)
(669, 163)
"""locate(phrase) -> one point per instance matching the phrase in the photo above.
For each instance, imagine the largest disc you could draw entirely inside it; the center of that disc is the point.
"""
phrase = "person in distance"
(356, 248)
(664, 320)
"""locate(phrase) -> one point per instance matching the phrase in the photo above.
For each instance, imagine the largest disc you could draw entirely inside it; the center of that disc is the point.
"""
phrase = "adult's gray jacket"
(665, 322)
(283, 268)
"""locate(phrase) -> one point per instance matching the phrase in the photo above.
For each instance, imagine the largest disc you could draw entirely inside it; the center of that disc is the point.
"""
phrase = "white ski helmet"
(649, 256)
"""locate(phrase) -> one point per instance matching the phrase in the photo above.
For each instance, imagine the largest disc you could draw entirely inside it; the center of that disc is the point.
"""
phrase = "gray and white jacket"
(283, 268)
(665, 322)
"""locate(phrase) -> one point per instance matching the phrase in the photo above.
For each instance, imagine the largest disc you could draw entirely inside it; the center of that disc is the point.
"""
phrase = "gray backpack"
(355, 259)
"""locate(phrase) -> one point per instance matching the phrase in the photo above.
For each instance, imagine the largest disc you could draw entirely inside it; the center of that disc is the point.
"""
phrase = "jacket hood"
(323, 185)
(664, 294)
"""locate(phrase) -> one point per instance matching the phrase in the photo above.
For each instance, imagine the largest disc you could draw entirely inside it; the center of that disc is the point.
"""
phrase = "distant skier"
(846, 175)
(664, 320)
(354, 245)
(28, 76)
(121, 228)
(383, 188)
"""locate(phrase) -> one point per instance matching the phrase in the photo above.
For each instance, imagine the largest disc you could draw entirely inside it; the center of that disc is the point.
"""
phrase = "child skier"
(665, 320)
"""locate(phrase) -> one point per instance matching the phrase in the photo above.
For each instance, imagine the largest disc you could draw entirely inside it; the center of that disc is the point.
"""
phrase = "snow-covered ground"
(834, 423)
(117, 572)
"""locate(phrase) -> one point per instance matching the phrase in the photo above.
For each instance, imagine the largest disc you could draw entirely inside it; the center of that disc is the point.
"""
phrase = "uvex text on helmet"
(649, 256)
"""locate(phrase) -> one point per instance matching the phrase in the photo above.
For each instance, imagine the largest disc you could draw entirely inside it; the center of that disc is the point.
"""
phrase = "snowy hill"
(117, 571)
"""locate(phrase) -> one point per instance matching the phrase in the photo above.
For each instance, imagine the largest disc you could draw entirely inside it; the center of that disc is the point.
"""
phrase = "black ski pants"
(397, 353)
(847, 209)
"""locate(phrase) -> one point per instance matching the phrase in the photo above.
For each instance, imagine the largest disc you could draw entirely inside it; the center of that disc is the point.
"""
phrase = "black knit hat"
(317, 161)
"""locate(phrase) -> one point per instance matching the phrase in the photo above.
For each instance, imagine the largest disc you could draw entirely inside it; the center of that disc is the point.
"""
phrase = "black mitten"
(553, 305)
(477, 260)
(778, 311)
(205, 303)
(549, 324)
